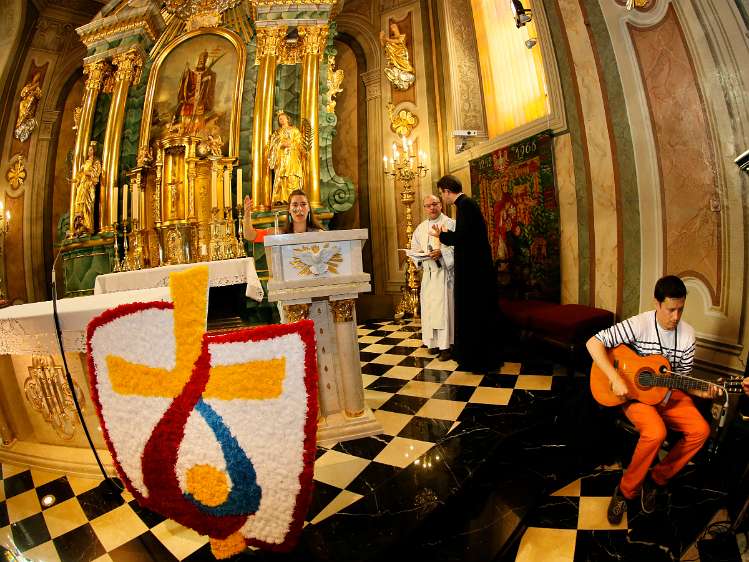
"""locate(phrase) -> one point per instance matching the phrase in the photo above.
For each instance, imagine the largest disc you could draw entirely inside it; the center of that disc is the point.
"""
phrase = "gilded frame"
(236, 41)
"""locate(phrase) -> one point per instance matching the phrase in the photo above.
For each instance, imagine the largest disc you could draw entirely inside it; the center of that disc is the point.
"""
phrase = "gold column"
(128, 65)
(268, 47)
(313, 38)
(96, 73)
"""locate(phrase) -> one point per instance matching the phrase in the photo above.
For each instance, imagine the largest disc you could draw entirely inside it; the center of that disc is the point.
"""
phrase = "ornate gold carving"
(313, 39)
(16, 174)
(269, 41)
(399, 69)
(84, 186)
(96, 73)
(296, 312)
(293, 2)
(119, 27)
(145, 156)
(317, 259)
(30, 96)
(335, 78)
(343, 311)
(47, 390)
(403, 122)
(77, 117)
(639, 4)
(129, 66)
(196, 12)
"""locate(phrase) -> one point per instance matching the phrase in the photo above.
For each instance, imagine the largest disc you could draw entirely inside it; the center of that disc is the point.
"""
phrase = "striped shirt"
(639, 333)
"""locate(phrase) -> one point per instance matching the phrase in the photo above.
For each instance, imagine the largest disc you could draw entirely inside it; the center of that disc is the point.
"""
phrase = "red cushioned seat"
(519, 312)
(571, 323)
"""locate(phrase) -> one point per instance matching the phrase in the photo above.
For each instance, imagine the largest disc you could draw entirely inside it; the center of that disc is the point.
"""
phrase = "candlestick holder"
(240, 230)
(406, 171)
(125, 265)
(136, 254)
(116, 266)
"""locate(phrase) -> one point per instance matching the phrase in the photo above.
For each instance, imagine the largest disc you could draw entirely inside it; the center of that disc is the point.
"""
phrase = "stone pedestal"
(319, 276)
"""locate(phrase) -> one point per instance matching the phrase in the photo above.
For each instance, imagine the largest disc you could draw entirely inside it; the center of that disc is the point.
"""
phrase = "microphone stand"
(110, 487)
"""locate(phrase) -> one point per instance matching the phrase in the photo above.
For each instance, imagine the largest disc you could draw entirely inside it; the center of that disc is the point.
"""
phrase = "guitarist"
(656, 332)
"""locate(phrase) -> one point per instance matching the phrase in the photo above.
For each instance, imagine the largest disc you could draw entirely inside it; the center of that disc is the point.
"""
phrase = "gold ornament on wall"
(402, 122)
(638, 4)
(16, 174)
(199, 13)
(47, 391)
(77, 117)
(399, 69)
(343, 310)
(317, 259)
(30, 96)
(335, 78)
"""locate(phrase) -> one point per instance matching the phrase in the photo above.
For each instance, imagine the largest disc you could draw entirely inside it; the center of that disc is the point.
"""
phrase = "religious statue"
(84, 184)
(286, 155)
(30, 96)
(195, 94)
(399, 70)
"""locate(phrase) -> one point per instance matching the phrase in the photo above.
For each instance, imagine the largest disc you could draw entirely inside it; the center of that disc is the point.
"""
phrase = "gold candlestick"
(405, 169)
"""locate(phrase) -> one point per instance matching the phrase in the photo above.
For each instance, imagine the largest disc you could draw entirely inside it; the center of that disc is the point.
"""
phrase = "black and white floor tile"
(460, 452)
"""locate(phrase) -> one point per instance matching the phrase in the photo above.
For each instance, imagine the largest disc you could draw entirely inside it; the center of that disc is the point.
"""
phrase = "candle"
(396, 156)
(227, 187)
(395, 151)
(134, 203)
(142, 208)
(124, 203)
(239, 186)
(113, 203)
(214, 195)
(7, 215)
(385, 159)
(403, 143)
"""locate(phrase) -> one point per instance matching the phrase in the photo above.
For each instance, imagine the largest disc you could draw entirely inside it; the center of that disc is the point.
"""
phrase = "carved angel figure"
(399, 70)
(30, 96)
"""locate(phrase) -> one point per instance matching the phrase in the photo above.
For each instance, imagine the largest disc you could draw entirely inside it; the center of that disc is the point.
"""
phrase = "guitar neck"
(679, 383)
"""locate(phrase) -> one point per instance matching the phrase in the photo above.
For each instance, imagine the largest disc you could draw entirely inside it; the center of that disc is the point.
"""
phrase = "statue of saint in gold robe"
(85, 183)
(399, 69)
(286, 156)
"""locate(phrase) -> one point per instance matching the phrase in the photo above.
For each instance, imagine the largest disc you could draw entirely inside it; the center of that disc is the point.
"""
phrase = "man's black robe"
(478, 340)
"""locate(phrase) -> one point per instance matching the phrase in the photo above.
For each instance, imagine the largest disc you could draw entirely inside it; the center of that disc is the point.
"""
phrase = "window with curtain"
(513, 80)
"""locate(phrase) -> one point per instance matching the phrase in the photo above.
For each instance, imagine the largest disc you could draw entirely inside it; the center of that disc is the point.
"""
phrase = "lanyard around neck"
(658, 335)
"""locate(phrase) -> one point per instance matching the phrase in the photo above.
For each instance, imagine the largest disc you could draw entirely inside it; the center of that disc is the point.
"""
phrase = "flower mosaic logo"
(186, 415)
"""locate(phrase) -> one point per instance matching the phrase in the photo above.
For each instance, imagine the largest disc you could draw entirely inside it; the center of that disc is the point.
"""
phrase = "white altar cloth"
(30, 328)
(220, 273)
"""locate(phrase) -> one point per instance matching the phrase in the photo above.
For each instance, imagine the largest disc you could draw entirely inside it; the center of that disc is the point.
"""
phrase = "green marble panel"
(81, 266)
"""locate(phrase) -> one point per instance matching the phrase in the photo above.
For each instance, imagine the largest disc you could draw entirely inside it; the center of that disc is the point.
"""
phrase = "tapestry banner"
(515, 189)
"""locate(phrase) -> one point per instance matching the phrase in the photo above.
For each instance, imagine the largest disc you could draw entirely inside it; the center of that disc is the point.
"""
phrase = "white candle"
(134, 202)
(385, 159)
(403, 143)
(124, 203)
(7, 215)
(227, 187)
(395, 151)
(239, 186)
(214, 195)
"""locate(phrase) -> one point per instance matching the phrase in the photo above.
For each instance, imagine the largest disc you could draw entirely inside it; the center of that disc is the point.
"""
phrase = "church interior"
(189, 373)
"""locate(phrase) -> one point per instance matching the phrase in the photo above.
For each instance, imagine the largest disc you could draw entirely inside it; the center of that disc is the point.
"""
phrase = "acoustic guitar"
(648, 379)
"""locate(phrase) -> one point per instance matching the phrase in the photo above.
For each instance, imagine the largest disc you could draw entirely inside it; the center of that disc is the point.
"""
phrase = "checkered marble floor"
(418, 399)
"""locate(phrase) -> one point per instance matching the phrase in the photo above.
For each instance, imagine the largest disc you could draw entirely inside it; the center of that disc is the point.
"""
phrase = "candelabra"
(116, 267)
(405, 167)
(4, 226)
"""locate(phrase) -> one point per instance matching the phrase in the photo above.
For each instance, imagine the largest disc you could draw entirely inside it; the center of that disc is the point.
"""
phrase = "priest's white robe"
(437, 311)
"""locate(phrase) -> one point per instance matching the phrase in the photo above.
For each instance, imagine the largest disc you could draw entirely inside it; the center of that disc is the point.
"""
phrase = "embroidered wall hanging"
(515, 189)
(215, 431)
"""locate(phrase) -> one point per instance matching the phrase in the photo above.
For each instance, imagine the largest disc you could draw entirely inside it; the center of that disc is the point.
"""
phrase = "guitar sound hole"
(646, 379)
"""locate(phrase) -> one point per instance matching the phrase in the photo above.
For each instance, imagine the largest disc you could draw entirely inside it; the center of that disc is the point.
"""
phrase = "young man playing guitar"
(656, 332)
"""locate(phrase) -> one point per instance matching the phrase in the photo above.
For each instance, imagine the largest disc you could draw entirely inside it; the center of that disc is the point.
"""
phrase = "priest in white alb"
(436, 262)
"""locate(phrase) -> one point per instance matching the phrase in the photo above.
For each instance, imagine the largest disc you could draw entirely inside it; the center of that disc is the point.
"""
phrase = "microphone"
(437, 261)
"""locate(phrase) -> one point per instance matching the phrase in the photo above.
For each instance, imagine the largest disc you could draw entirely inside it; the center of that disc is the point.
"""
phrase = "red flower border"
(306, 331)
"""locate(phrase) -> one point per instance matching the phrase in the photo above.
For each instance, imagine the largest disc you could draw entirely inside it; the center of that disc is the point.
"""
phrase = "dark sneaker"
(648, 495)
(445, 355)
(617, 507)
(433, 350)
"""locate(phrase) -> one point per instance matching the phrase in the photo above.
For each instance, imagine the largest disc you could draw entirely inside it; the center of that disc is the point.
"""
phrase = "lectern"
(318, 275)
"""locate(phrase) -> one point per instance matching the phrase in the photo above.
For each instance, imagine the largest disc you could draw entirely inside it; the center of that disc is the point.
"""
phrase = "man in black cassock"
(478, 334)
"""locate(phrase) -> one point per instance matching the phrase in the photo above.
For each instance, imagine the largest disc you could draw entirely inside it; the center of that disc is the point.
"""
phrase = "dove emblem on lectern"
(317, 259)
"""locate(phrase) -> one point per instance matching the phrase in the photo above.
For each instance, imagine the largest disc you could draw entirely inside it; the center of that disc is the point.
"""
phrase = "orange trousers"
(679, 414)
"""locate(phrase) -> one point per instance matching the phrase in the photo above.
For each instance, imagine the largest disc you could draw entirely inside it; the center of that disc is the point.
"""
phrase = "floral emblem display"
(215, 431)
(317, 259)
